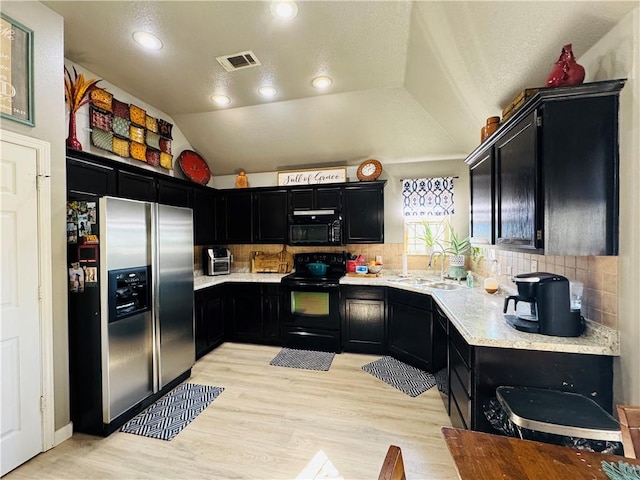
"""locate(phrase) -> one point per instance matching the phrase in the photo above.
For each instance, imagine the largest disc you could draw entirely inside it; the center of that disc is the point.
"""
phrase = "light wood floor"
(268, 424)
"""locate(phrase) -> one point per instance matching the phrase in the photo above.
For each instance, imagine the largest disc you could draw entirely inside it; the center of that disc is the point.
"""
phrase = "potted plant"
(455, 247)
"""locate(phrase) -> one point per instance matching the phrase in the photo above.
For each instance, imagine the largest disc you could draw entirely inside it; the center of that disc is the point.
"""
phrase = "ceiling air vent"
(238, 61)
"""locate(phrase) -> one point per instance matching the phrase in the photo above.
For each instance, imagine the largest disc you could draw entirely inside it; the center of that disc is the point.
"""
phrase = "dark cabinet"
(204, 216)
(270, 216)
(136, 186)
(364, 319)
(85, 177)
(254, 312)
(209, 319)
(261, 215)
(236, 221)
(316, 198)
(549, 176)
(364, 213)
(580, 176)
(474, 373)
(173, 193)
(441, 353)
(482, 227)
(271, 314)
(245, 313)
(517, 185)
(460, 381)
(410, 332)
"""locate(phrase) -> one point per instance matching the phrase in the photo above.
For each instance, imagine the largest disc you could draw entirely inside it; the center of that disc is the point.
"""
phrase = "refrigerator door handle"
(155, 307)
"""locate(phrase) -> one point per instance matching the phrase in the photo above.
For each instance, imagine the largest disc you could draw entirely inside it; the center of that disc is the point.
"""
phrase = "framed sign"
(16, 71)
(315, 176)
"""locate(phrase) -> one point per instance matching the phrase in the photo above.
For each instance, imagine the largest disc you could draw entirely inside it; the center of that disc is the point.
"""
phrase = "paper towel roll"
(404, 265)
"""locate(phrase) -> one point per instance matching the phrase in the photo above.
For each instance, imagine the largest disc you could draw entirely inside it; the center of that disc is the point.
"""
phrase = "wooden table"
(485, 456)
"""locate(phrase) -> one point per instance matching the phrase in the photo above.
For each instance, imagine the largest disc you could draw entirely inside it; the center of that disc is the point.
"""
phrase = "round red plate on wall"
(194, 167)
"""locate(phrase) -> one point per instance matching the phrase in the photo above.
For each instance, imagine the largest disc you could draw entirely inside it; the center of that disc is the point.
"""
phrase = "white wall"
(616, 56)
(50, 126)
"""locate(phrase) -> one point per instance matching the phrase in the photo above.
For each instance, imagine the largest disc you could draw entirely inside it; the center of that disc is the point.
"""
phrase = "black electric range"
(311, 308)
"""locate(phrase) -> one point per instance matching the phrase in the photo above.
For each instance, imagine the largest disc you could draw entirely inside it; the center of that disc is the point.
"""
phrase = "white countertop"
(476, 315)
(204, 281)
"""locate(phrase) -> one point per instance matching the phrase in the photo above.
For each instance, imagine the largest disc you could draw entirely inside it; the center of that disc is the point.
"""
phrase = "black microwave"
(315, 227)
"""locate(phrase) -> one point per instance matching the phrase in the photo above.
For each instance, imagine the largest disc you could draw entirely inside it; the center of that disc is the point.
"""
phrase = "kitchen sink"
(443, 285)
(411, 281)
(427, 283)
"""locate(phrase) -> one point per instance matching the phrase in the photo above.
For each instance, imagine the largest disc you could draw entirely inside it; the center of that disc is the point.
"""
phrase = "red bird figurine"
(566, 71)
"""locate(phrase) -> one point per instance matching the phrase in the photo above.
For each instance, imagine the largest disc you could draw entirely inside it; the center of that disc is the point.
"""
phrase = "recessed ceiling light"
(221, 99)
(322, 82)
(284, 9)
(147, 40)
(268, 91)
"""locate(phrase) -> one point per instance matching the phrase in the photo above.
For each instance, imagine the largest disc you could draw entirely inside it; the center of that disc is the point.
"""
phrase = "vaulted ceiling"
(412, 81)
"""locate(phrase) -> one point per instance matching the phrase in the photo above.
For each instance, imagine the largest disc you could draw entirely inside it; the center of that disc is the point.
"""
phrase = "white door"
(20, 346)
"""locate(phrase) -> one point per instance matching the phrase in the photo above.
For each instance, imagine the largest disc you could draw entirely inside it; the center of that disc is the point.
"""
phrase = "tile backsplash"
(598, 274)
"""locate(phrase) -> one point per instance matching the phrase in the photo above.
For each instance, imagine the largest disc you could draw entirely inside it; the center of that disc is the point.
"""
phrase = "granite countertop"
(204, 281)
(475, 314)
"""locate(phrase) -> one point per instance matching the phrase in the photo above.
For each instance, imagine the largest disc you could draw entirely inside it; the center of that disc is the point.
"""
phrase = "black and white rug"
(407, 379)
(168, 416)
(305, 359)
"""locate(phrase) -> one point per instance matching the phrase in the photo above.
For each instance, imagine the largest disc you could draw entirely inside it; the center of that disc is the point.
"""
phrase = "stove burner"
(336, 268)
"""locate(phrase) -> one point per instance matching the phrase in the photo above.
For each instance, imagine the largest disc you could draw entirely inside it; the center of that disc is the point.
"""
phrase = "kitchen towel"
(168, 416)
(305, 359)
(407, 379)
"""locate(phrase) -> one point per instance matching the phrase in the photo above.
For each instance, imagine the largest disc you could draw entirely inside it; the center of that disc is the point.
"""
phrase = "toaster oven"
(216, 261)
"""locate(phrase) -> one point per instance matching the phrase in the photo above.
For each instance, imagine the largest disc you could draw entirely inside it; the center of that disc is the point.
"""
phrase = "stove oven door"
(311, 316)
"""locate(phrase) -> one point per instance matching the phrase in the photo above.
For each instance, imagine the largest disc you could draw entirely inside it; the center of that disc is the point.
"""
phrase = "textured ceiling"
(413, 81)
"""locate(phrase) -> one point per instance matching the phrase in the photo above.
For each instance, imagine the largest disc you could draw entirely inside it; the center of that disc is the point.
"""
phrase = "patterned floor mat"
(168, 416)
(407, 379)
(305, 359)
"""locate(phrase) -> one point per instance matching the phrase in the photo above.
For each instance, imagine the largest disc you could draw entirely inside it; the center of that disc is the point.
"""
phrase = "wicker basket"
(121, 147)
(518, 102)
(138, 116)
(139, 151)
(101, 99)
(166, 160)
(281, 262)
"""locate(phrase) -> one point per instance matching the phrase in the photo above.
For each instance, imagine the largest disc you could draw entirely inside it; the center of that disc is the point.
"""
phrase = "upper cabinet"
(204, 215)
(270, 216)
(234, 221)
(547, 180)
(85, 177)
(316, 198)
(259, 215)
(482, 226)
(364, 212)
(515, 164)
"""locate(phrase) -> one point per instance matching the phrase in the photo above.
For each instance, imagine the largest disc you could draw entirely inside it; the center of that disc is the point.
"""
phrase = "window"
(415, 233)
(427, 204)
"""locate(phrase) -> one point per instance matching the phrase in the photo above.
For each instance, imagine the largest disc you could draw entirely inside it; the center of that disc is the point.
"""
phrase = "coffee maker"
(550, 310)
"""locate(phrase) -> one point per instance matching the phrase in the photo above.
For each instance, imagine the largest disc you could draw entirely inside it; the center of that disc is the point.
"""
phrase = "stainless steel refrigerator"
(141, 342)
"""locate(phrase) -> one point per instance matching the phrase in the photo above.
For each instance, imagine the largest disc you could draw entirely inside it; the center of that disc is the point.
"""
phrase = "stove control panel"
(331, 259)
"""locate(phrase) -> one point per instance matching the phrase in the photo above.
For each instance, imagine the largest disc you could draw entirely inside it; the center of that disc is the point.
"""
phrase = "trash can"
(551, 416)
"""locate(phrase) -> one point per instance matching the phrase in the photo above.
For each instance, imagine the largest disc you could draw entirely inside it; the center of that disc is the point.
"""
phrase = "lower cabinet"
(254, 313)
(441, 353)
(410, 332)
(363, 319)
(209, 319)
(474, 373)
(271, 313)
(244, 312)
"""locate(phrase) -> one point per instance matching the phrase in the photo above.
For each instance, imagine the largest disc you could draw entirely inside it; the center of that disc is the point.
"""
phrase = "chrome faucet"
(429, 266)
